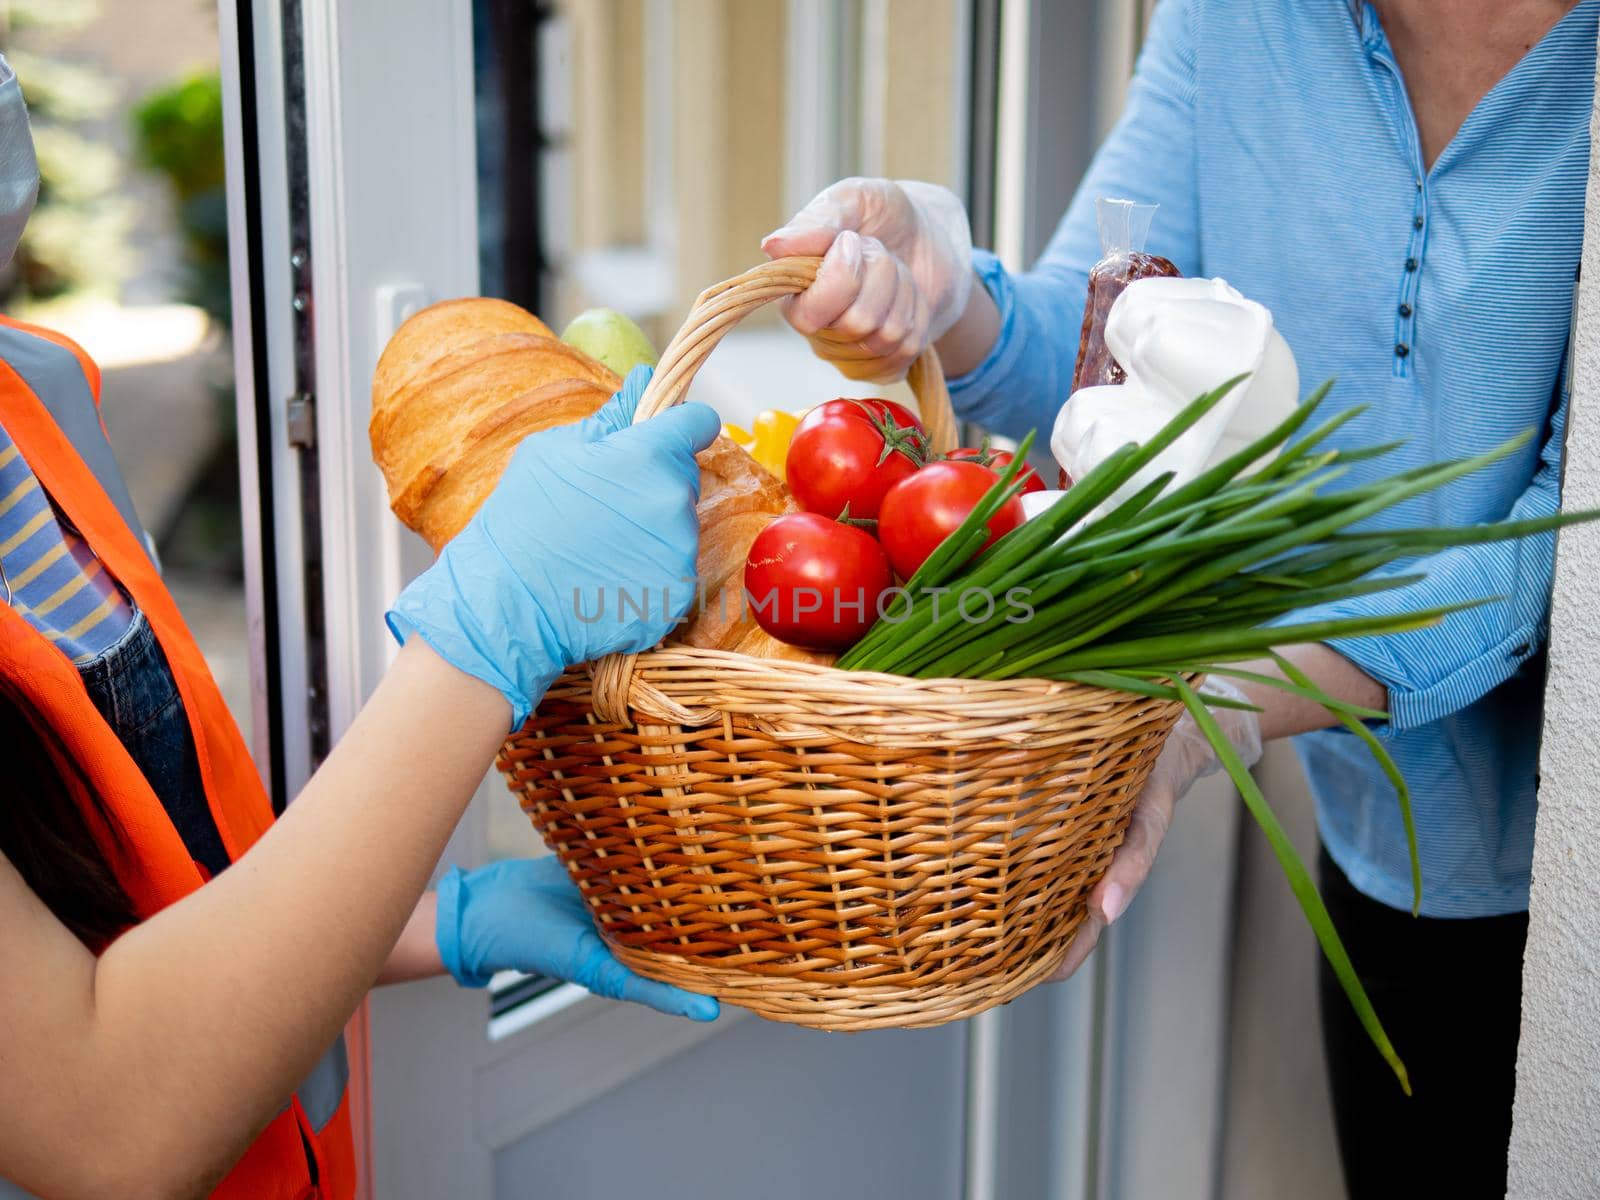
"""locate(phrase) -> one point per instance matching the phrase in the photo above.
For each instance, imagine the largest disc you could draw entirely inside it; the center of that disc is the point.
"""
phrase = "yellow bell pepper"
(768, 441)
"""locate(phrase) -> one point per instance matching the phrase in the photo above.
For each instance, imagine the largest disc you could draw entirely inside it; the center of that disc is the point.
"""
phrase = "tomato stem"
(868, 523)
(984, 456)
(897, 438)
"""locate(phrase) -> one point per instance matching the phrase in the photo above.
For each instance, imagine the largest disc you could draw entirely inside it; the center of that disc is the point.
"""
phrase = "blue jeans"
(132, 686)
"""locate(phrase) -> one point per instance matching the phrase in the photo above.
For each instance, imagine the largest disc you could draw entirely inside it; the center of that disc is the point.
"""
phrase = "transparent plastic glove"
(585, 517)
(895, 276)
(526, 914)
(1185, 758)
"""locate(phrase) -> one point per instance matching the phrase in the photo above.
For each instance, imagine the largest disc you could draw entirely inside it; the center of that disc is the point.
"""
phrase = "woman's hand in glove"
(527, 915)
(896, 272)
(1185, 758)
(586, 547)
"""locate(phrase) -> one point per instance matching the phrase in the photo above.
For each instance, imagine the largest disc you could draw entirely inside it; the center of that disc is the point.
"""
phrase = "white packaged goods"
(1175, 339)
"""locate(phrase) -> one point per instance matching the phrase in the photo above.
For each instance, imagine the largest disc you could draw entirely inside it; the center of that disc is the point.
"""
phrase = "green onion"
(1174, 582)
(1351, 717)
(1305, 891)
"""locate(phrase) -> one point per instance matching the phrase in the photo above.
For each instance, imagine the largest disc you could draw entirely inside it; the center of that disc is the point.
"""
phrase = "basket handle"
(716, 310)
(720, 307)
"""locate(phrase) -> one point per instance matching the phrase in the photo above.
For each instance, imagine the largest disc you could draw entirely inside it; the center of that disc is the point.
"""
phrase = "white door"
(357, 131)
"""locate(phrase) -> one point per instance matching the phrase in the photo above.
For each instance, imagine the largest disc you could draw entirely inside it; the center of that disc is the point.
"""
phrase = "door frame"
(439, 1067)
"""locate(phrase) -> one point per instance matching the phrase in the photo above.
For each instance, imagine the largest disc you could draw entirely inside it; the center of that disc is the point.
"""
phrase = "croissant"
(461, 383)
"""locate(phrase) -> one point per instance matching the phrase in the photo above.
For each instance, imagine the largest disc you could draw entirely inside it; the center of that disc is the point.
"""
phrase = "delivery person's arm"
(146, 1072)
(415, 954)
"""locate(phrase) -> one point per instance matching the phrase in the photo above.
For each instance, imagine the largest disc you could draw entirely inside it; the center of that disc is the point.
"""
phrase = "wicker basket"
(837, 849)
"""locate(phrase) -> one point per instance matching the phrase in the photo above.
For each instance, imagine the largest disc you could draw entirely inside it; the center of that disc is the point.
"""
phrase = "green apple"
(607, 335)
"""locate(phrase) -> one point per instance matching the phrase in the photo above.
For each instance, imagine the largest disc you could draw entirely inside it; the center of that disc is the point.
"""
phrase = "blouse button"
(1416, 223)
(1405, 310)
(1411, 264)
(1401, 350)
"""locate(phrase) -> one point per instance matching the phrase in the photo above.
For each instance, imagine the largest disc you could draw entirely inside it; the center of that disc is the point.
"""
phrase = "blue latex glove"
(526, 914)
(584, 517)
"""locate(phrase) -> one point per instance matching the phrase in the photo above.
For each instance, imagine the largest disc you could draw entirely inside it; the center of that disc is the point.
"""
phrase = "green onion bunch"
(1167, 585)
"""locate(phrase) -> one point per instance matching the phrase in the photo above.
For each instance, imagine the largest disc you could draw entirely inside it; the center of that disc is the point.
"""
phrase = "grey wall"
(1279, 1134)
(1164, 1024)
(1555, 1142)
(763, 1111)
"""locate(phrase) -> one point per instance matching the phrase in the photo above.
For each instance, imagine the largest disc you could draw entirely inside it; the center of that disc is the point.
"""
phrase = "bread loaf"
(463, 382)
(443, 438)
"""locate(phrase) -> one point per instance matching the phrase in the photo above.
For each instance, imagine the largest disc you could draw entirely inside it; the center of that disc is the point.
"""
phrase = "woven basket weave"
(838, 849)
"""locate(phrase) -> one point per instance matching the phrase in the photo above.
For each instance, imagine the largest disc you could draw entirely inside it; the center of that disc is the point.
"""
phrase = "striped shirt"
(48, 573)
(1280, 143)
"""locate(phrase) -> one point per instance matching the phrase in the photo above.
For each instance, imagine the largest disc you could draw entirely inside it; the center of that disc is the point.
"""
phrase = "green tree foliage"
(178, 132)
(77, 236)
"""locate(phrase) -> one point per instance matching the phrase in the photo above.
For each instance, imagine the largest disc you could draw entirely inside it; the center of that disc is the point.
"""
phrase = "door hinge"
(302, 421)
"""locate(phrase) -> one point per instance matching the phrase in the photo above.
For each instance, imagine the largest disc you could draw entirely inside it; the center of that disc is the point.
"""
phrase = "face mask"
(19, 169)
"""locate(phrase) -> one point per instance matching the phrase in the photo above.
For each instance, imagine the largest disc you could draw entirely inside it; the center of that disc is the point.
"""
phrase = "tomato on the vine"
(848, 453)
(998, 460)
(923, 510)
(815, 582)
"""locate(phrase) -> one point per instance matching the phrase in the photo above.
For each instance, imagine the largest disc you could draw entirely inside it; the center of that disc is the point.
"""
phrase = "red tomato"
(920, 512)
(874, 405)
(850, 452)
(815, 582)
(999, 460)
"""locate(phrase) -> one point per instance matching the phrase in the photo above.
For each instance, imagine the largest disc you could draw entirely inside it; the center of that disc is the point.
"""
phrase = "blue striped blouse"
(48, 573)
(1280, 143)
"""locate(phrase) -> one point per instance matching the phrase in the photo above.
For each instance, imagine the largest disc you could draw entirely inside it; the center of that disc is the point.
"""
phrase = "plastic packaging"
(1124, 226)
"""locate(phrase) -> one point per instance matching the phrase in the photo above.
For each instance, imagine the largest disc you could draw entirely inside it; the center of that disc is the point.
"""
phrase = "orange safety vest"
(306, 1152)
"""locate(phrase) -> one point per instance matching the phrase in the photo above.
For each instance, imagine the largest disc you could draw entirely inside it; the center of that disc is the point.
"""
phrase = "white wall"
(1555, 1142)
